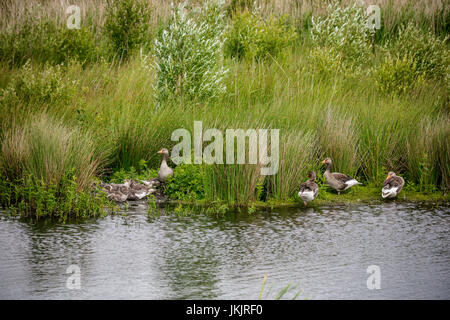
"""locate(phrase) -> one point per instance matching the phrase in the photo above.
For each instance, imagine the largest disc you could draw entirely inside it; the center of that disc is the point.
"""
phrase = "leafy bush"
(325, 62)
(47, 169)
(31, 86)
(188, 54)
(31, 197)
(46, 41)
(141, 173)
(77, 44)
(187, 183)
(254, 37)
(429, 53)
(397, 75)
(127, 25)
(342, 35)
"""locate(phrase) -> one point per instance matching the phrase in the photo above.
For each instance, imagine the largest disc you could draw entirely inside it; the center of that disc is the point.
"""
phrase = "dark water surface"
(324, 252)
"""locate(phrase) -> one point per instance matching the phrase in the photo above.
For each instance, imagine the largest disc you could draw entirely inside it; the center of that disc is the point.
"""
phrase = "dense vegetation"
(98, 102)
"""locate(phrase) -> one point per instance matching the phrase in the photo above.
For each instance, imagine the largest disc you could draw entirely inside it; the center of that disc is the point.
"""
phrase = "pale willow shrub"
(341, 37)
(189, 54)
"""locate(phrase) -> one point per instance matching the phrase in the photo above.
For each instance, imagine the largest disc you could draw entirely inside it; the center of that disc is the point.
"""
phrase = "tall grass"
(48, 150)
(90, 120)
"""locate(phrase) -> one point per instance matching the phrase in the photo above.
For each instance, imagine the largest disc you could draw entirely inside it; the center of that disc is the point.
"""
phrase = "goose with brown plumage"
(338, 181)
(392, 186)
(309, 189)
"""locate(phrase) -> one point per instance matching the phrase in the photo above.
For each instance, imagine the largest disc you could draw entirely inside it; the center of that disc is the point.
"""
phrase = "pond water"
(322, 252)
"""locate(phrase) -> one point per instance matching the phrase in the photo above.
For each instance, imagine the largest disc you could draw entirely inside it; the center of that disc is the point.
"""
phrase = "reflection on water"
(324, 251)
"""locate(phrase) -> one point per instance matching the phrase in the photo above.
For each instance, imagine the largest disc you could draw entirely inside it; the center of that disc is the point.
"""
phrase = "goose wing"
(394, 182)
(343, 178)
(309, 186)
(314, 188)
(303, 186)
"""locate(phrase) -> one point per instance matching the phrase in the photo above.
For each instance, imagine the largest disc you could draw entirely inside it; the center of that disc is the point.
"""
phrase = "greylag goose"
(115, 191)
(336, 180)
(392, 186)
(138, 191)
(309, 189)
(164, 171)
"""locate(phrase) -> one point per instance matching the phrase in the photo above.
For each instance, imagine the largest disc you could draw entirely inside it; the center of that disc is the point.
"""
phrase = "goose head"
(327, 161)
(390, 174)
(163, 151)
(311, 175)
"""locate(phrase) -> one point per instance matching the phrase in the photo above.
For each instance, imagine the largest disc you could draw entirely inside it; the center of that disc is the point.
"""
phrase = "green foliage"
(75, 44)
(398, 75)
(187, 183)
(141, 173)
(30, 86)
(32, 197)
(47, 41)
(47, 149)
(188, 55)
(429, 53)
(127, 25)
(114, 122)
(342, 37)
(252, 36)
(240, 5)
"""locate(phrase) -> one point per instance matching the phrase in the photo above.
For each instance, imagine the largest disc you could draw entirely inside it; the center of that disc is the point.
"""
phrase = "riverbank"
(96, 109)
(328, 197)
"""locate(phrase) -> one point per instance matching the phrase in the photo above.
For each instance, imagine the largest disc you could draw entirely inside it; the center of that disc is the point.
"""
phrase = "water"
(324, 252)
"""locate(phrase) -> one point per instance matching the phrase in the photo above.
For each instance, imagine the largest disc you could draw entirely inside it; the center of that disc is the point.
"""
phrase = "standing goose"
(164, 171)
(336, 180)
(392, 186)
(309, 189)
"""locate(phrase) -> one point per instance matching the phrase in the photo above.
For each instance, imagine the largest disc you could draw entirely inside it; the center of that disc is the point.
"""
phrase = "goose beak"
(388, 177)
(323, 162)
(160, 151)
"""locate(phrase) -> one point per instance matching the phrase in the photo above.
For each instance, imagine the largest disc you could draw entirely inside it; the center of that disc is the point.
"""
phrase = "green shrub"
(127, 25)
(428, 52)
(397, 75)
(187, 183)
(47, 41)
(32, 197)
(325, 62)
(47, 170)
(342, 34)
(141, 173)
(75, 44)
(30, 85)
(188, 54)
(251, 36)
